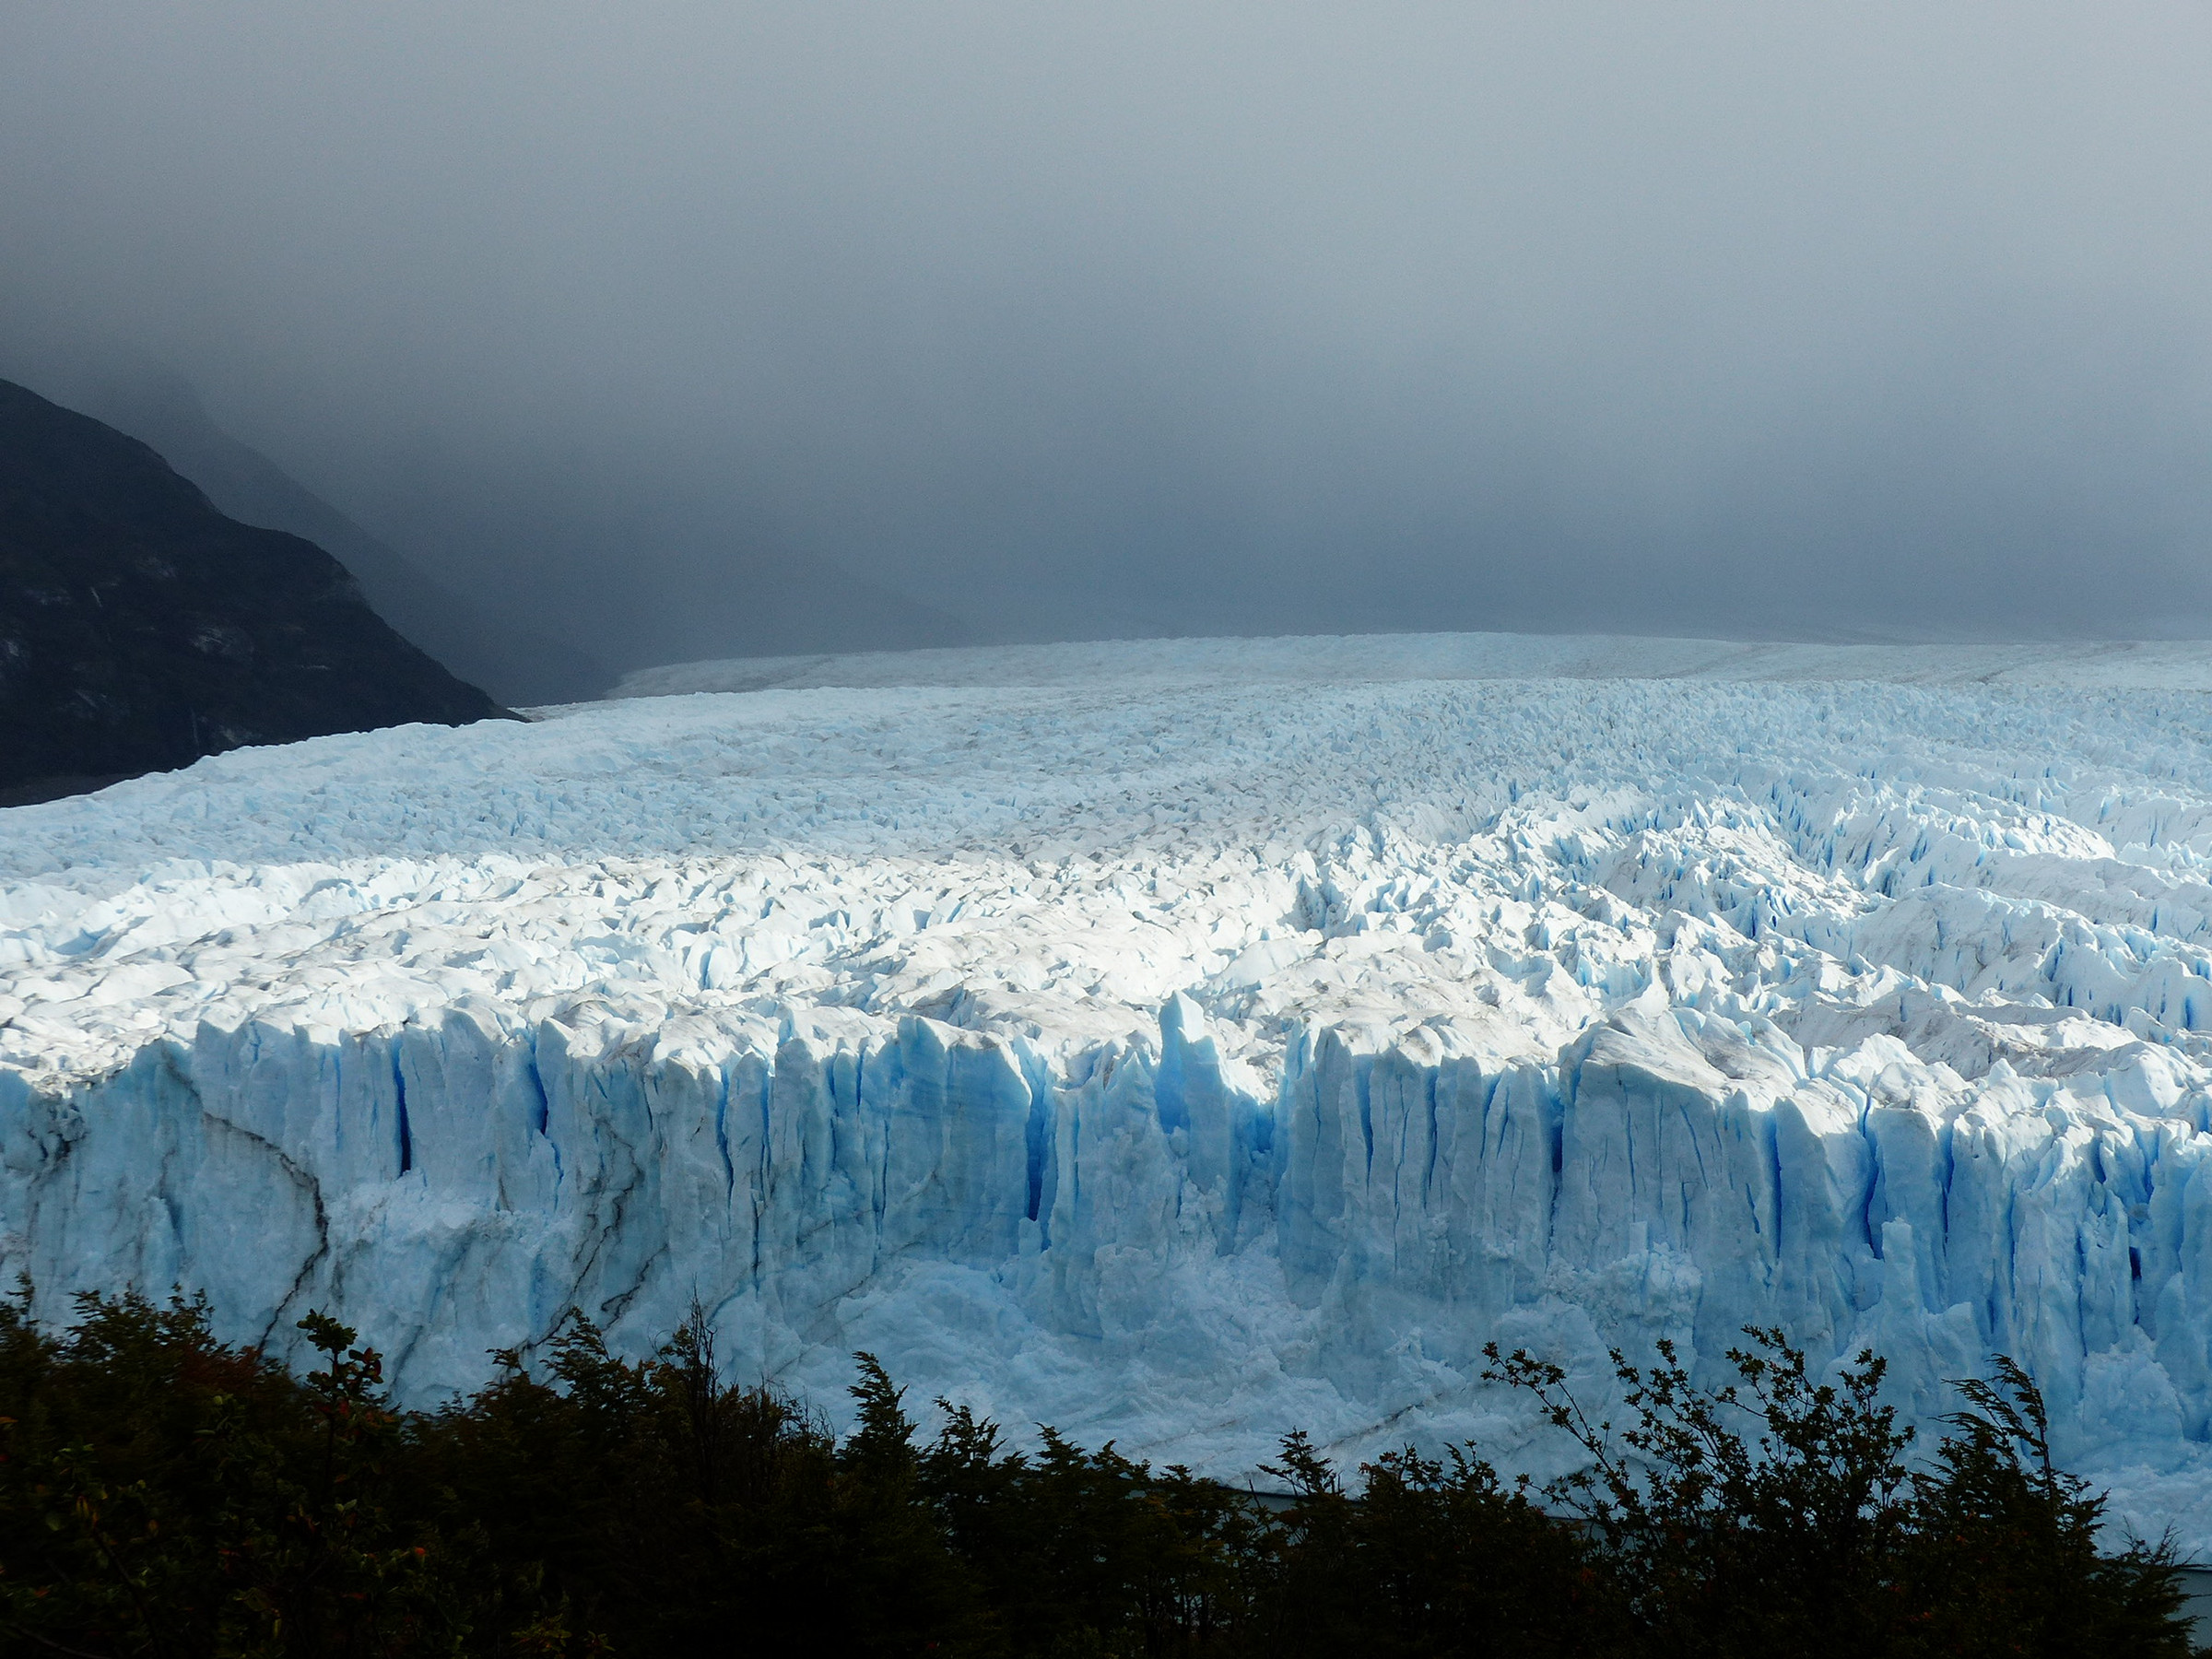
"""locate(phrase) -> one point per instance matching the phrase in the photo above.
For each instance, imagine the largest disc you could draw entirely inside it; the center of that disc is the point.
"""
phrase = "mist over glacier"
(1175, 1042)
(721, 327)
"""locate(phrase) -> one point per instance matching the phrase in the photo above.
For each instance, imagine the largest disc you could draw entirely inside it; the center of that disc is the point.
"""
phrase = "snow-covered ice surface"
(2176, 664)
(1179, 1041)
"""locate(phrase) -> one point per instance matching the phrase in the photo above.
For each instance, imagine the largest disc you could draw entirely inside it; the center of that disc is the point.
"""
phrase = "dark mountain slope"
(140, 629)
(515, 663)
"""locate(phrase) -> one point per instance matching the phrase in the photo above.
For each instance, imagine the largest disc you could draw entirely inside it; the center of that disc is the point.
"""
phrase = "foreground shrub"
(162, 1493)
(1811, 1535)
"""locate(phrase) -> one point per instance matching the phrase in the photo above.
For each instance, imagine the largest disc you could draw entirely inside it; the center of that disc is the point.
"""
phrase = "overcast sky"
(1135, 319)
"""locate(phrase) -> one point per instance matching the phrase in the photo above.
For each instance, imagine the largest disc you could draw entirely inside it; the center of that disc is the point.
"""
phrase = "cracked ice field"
(1179, 1041)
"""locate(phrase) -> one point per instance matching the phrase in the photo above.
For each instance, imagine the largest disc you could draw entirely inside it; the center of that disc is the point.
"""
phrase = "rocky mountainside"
(539, 600)
(141, 629)
(519, 664)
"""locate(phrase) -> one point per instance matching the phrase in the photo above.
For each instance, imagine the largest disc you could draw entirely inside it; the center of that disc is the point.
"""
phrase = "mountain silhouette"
(518, 665)
(141, 627)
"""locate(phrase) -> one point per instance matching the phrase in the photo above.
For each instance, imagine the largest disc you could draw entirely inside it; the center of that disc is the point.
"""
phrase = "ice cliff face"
(1183, 1059)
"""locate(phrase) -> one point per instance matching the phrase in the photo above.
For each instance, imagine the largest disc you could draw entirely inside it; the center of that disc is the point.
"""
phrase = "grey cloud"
(695, 329)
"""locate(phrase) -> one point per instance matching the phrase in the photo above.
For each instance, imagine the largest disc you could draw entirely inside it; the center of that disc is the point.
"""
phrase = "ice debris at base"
(1179, 1055)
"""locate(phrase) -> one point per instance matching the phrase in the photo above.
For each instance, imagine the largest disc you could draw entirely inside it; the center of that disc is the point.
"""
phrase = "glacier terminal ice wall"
(1183, 1059)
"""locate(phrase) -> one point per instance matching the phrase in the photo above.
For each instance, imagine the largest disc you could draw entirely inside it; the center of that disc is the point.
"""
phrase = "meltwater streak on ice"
(1175, 1053)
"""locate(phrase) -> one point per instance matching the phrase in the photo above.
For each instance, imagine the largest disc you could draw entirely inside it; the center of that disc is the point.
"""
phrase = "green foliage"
(661, 1511)
(1091, 1552)
(1438, 1556)
(1687, 1511)
(2003, 1556)
(162, 1493)
(881, 1447)
(1811, 1535)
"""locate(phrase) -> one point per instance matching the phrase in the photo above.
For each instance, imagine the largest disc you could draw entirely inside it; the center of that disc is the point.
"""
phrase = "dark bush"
(1811, 1535)
(162, 1493)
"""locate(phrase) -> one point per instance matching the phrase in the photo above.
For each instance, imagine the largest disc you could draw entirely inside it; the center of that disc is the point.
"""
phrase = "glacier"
(1179, 1041)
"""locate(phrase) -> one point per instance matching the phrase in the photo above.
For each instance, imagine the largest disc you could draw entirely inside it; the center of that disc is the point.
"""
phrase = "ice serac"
(1177, 1062)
